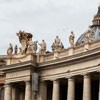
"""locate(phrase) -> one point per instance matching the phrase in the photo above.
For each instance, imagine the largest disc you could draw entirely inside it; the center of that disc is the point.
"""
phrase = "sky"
(45, 19)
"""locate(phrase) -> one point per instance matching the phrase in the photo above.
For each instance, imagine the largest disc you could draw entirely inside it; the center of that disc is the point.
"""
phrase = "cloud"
(9, 1)
(44, 18)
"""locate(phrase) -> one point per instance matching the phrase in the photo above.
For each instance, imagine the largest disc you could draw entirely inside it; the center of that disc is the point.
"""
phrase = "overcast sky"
(44, 19)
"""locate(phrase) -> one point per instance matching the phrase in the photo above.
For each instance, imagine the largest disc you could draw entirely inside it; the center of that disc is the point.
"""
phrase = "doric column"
(87, 88)
(55, 95)
(28, 91)
(99, 86)
(13, 93)
(7, 92)
(43, 91)
(71, 89)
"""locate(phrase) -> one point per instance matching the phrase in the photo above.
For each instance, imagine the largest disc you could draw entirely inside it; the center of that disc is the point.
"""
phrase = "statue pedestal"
(14, 59)
(56, 54)
(71, 51)
(41, 58)
(86, 46)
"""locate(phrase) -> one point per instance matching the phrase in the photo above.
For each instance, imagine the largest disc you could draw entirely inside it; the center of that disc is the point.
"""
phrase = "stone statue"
(35, 46)
(16, 50)
(20, 50)
(30, 46)
(71, 39)
(43, 47)
(88, 35)
(53, 47)
(24, 38)
(10, 50)
(57, 45)
(57, 42)
(61, 45)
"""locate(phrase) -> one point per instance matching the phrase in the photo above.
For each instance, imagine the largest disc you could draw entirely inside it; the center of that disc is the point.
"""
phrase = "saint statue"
(16, 50)
(57, 45)
(53, 47)
(10, 50)
(30, 46)
(57, 42)
(88, 35)
(71, 39)
(43, 47)
(35, 46)
(24, 39)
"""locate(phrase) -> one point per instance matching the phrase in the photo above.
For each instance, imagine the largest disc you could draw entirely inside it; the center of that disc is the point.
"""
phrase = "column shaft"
(28, 91)
(13, 93)
(43, 91)
(87, 88)
(71, 89)
(55, 95)
(7, 93)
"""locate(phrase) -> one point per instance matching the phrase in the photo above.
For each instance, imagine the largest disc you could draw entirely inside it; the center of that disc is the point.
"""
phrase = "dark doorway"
(79, 88)
(49, 90)
(94, 89)
(63, 89)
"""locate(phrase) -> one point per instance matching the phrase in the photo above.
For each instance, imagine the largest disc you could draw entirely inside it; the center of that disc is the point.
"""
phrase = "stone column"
(55, 95)
(87, 88)
(7, 92)
(43, 91)
(71, 89)
(99, 86)
(13, 93)
(28, 91)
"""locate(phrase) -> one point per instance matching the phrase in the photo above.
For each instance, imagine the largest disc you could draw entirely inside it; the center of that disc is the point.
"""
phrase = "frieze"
(17, 74)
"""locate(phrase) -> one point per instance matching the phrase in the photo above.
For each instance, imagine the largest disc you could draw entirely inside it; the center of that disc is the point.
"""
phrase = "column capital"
(56, 79)
(85, 74)
(71, 79)
(98, 70)
(27, 81)
(7, 85)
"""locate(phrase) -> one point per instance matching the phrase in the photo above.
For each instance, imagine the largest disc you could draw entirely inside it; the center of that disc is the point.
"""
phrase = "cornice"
(28, 64)
(68, 74)
(77, 58)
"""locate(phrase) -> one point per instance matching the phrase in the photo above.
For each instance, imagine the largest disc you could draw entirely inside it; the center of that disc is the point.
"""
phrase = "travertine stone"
(55, 95)
(86, 47)
(43, 91)
(7, 94)
(28, 91)
(56, 55)
(71, 51)
(71, 39)
(13, 93)
(87, 88)
(71, 89)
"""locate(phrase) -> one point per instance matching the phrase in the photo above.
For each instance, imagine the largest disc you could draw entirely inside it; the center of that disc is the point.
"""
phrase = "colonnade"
(55, 91)
(71, 89)
(9, 92)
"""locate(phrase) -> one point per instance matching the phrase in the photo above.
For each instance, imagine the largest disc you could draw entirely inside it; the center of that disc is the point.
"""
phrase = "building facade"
(63, 74)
